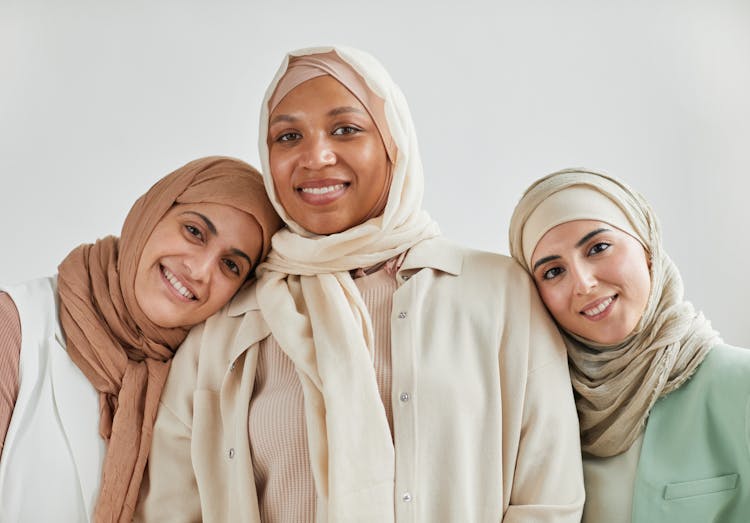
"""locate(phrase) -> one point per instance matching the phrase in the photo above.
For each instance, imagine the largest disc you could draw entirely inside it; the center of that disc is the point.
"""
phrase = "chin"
(609, 338)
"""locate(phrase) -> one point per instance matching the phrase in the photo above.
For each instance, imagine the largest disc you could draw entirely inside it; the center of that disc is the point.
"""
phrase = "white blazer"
(52, 460)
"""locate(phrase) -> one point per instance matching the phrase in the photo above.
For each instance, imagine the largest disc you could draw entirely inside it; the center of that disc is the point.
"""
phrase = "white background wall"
(98, 99)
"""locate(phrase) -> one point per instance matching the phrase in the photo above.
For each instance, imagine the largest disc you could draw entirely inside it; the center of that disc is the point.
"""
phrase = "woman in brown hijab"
(84, 354)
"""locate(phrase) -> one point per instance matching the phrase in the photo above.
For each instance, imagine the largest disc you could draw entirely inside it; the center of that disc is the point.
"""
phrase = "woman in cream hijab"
(404, 379)
(84, 354)
(662, 402)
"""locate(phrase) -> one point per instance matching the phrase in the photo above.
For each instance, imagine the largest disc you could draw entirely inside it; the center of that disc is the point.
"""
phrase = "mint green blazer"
(695, 461)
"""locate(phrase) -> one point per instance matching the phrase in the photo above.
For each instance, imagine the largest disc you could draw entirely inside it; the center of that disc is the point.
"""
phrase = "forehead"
(318, 94)
(564, 237)
(226, 219)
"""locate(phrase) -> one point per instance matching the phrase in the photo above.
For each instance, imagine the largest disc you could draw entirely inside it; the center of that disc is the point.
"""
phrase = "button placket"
(403, 350)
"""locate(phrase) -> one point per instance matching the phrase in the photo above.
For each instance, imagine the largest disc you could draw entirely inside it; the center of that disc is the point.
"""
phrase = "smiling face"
(195, 260)
(593, 278)
(327, 159)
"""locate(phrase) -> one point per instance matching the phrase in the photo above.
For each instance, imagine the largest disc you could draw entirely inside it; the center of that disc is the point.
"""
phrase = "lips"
(322, 192)
(177, 285)
(599, 308)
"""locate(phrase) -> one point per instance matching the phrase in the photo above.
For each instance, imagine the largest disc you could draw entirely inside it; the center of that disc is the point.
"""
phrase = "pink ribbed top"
(278, 436)
(10, 355)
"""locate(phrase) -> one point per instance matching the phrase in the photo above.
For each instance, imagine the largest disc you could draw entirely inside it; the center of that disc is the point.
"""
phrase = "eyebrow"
(333, 112)
(212, 229)
(209, 224)
(580, 242)
(544, 260)
(238, 252)
(590, 235)
(346, 109)
(282, 118)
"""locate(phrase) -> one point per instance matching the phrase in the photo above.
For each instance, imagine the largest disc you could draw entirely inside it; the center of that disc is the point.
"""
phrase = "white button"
(231, 453)
(402, 315)
(406, 497)
(405, 277)
(404, 397)
(231, 367)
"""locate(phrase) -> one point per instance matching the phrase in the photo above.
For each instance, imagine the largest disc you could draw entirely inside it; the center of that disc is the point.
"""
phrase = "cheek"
(280, 165)
(554, 299)
(377, 159)
(222, 291)
(644, 285)
(146, 261)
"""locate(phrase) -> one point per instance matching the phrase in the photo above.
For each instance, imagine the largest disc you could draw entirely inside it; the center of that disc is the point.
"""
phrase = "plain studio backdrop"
(99, 99)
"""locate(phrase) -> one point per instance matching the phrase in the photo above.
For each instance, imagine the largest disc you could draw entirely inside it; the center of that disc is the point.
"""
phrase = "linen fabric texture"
(122, 353)
(616, 386)
(316, 313)
(488, 431)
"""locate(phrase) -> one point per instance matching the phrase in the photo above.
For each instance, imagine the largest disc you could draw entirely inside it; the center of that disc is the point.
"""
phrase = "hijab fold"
(315, 311)
(122, 353)
(617, 385)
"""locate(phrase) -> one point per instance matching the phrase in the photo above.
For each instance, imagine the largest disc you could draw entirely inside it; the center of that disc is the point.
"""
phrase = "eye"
(552, 273)
(192, 230)
(346, 129)
(599, 247)
(291, 136)
(231, 266)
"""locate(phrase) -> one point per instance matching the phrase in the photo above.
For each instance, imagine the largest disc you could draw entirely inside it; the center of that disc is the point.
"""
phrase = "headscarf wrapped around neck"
(315, 310)
(123, 354)
(617, 385)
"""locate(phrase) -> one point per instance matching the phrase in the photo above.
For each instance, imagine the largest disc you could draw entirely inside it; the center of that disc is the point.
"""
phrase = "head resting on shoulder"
(589, 238)
(172, 227)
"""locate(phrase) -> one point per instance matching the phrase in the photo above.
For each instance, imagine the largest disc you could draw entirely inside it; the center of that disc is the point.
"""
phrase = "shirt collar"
(244, 301)
(435, 253)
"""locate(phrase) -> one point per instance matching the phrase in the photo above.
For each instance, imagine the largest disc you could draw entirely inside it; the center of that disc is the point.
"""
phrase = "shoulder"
(211, 347)
(33, 303)
(32, 291)
(725, 368)
(723, 374)
(467, 263)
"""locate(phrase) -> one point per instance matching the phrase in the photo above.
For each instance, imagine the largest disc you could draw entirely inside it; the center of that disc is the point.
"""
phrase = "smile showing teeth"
(322, 190)
(179, 287)
(599, 308)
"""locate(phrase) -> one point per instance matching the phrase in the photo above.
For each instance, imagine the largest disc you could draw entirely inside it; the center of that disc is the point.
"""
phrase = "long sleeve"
(10, 355)
(548, 480)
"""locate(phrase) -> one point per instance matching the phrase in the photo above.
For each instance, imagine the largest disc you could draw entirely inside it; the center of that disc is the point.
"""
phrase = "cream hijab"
(616, 386)
(315, 310)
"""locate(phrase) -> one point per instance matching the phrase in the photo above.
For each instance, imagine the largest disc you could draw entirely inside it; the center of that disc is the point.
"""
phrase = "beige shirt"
(278, 436)
(610, 484)
(483, 418)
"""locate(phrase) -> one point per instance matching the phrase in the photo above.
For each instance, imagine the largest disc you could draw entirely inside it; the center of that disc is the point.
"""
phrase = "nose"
(318, 153)
(583, 277)
(199, 266)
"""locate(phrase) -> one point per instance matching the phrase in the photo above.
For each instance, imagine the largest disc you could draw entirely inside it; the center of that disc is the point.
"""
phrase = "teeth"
(599, 308)
(177, 285)
(322, 190)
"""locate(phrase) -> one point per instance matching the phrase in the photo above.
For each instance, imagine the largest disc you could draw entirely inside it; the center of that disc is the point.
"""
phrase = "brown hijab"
(123, 354)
